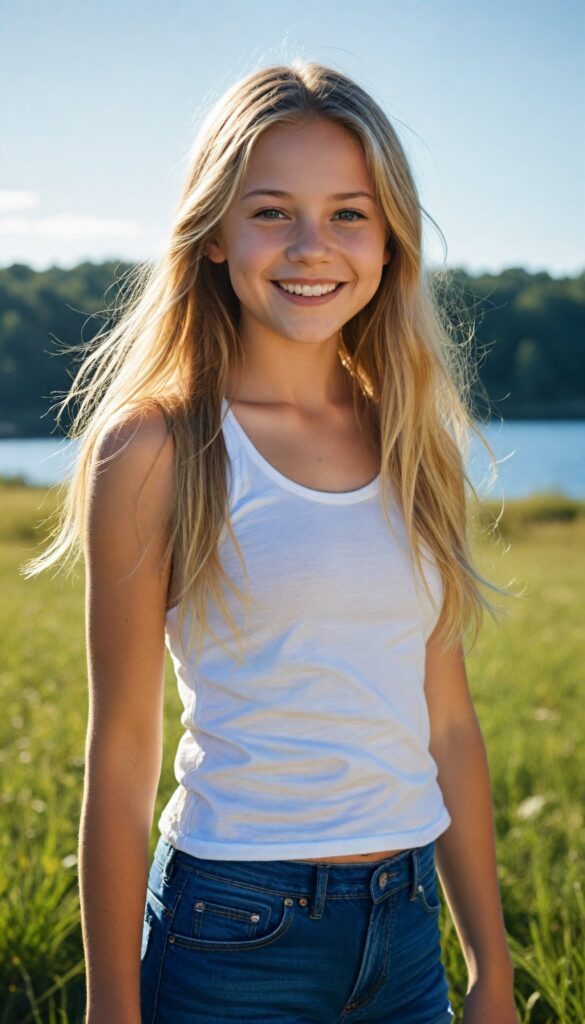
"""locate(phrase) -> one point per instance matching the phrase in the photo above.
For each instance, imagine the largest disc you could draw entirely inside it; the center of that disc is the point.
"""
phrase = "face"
(306, 220)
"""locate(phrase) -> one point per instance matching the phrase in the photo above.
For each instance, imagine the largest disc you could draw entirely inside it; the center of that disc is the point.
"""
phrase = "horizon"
(434, 268)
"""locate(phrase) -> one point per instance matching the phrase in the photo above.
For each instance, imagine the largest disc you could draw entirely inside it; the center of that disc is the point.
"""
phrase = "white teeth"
(307, 289)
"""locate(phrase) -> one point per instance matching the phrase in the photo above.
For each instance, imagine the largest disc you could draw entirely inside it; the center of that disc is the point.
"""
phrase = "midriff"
(357, 858)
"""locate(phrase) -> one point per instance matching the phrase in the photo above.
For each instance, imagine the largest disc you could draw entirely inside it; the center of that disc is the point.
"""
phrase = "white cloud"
(69, 226)
(15, 226)
(17, 199)
(72, 225)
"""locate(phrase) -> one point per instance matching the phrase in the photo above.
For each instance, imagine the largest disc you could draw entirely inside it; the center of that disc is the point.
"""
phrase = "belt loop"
(169, 864)
(415, 872)
(319, 891)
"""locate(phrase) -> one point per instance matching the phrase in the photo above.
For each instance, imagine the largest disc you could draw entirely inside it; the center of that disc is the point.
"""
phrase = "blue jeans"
(290, 942)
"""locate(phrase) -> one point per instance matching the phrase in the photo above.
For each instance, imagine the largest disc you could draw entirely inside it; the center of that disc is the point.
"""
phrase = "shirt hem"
(213, 850)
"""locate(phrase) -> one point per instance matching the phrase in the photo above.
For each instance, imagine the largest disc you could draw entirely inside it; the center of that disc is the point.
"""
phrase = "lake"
(533, 456)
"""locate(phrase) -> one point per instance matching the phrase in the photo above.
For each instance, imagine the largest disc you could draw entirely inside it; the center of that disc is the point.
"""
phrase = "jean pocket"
(146, 932)
(215, 913)
(427, 892)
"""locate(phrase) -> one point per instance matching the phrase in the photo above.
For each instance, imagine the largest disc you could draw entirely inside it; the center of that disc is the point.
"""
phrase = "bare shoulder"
(129, 509)
(138, 443)
(133, 471)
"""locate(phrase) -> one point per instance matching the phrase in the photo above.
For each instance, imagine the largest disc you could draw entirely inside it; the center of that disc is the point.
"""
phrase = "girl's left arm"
(466, 851)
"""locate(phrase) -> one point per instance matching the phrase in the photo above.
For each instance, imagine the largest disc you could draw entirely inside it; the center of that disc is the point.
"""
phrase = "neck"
(307, 375)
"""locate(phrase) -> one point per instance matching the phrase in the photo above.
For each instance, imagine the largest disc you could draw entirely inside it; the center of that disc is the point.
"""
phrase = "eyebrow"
(288, 195)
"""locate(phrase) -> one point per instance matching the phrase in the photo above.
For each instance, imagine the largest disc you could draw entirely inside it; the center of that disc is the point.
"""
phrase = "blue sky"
(104, 99)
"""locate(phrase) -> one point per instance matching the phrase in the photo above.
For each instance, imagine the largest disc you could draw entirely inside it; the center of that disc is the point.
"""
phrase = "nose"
(309, 243)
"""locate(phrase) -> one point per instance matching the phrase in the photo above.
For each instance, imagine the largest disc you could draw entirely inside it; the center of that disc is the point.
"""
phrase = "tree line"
(526, 334)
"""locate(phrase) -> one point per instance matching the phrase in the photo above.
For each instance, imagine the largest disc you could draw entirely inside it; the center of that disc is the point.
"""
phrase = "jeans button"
(383, 879)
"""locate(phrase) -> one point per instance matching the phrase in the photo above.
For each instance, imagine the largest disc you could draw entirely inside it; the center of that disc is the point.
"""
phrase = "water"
(533, 456)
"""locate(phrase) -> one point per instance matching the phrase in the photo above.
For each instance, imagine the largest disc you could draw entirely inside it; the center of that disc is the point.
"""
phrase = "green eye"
(270, 209)
(353, 213)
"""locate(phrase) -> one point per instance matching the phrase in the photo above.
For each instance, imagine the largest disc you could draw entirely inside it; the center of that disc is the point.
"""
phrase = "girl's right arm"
(125, 612)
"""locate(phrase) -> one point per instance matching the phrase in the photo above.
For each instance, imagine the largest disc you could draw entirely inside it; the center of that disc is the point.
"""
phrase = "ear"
(387, 249)
(215, 252)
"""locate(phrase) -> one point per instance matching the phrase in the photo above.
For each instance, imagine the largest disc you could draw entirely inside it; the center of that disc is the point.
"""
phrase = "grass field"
(526, 676)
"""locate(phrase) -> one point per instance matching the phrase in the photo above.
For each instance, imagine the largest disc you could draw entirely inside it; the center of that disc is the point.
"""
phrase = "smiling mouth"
(308, 292)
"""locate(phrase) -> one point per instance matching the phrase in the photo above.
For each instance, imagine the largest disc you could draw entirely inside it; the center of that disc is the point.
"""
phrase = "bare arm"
(466, 851)
(125, 613)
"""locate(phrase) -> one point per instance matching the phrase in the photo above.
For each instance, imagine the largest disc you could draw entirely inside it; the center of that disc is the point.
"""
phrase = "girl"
(270, 481)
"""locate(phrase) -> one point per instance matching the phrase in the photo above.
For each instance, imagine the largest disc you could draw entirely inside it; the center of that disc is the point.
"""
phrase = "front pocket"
(217, 921)
(214, 913)
(427, 894)
(146, 930)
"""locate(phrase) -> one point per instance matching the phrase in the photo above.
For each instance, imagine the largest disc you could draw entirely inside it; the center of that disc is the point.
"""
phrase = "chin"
(308, 332)
(311, 339)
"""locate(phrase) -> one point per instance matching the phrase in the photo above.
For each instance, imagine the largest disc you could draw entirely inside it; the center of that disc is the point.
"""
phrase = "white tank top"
(317, 744)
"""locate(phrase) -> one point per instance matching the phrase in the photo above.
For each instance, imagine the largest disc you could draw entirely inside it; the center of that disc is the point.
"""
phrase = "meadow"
(526, 677)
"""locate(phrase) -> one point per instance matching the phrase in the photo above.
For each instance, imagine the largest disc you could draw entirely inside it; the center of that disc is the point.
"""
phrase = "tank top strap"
(234, 450)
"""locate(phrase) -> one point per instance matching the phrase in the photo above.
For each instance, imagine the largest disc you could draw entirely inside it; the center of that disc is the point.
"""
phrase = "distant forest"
(528, 349)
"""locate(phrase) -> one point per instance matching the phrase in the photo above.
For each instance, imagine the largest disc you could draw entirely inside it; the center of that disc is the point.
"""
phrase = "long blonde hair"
(177, 342)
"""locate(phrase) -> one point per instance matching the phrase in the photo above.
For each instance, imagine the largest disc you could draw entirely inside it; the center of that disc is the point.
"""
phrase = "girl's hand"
(490, 1002)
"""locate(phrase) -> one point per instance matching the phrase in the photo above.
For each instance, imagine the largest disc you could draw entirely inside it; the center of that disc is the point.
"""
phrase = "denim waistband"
(378, 880)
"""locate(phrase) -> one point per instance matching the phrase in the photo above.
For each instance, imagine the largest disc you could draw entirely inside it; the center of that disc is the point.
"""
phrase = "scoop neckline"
(327, 497)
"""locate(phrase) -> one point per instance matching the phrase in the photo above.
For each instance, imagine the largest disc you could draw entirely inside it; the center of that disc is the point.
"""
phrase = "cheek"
(249, 258)
(370, 288)
(367, 253)
(368, 262)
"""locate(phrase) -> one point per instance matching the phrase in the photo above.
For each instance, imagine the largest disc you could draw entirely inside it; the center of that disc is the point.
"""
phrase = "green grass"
(525, 674)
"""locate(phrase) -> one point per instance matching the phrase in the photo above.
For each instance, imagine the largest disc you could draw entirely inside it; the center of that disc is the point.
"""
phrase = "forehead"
(317, 151)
